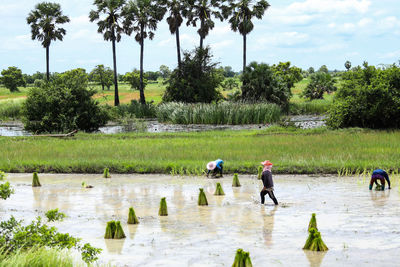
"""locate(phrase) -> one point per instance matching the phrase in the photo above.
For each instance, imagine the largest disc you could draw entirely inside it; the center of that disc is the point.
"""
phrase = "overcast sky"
(305, 32)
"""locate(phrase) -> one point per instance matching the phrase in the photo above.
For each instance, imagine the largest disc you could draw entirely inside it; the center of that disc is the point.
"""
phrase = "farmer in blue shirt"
(215, 166)
(381, 175)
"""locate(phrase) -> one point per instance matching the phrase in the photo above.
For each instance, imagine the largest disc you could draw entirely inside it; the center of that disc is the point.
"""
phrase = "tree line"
(141, 17)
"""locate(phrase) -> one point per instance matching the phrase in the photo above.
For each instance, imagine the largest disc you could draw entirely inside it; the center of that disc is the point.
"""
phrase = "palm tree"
(177, 10)
(141, 17)
(111, 28)
(43, 20)
(203, 11)
(242, 13)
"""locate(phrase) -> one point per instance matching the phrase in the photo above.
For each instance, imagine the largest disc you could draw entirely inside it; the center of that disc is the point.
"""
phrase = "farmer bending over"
(381, 175)
(215, 166)
(268, 183)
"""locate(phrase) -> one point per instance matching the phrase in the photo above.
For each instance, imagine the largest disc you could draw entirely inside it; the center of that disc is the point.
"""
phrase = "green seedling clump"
(313, 222)
(35, 181)
(235, 182)
(119, 232)
(260, 170)
(317, 243)
(132, 219)
(110, 230)
(202, 198)
(55, 215)
(379, 187)
(163, 211)
(311, 233)
(2, 175)
(242, 259)
(219, 191)
(106, 173)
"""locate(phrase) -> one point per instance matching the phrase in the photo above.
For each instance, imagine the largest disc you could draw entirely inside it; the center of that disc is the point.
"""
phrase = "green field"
(291, 150)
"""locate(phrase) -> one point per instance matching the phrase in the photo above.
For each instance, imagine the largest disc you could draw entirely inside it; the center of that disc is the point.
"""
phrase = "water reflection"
(114, 246)
(268, 225)
(315, 258)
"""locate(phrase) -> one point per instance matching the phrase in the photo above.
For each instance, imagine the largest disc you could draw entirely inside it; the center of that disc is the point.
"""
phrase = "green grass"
(291, 150)
(10, 109)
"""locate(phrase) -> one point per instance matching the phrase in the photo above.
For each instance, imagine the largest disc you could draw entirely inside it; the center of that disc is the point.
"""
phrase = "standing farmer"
(268, 183)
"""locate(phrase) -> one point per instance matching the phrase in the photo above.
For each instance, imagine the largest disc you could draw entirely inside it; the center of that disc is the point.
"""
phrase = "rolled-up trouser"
(270, 192)
(376, 177)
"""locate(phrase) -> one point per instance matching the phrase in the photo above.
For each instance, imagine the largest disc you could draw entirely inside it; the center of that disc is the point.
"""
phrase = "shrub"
(6, 190)
(55, 215)
(12, 78)
(369, 98)
(261, 84)
(321, 83)
(197, 79)
(133, 78)
(63, 105)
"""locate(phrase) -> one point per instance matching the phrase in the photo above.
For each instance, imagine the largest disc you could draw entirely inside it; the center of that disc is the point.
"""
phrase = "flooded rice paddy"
(359, 226)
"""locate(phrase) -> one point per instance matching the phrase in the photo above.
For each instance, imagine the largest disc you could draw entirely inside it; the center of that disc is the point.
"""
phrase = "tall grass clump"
(242, 259)
(317, 106)
(134, 109)
(224, 113)
(10, 110)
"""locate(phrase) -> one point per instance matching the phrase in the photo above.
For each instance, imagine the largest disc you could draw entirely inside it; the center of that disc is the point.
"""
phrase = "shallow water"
(359, 226)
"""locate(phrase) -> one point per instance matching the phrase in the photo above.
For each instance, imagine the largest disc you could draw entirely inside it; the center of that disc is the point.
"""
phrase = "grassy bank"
(291, 150)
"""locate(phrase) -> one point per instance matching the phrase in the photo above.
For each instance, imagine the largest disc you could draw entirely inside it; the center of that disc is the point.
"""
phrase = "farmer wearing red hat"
(266, 178)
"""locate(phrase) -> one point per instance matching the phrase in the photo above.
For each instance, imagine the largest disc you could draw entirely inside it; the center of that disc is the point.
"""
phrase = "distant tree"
(44, 20)
(165, 71)
(12, 78)
(241, 14)
(110, 26)
(203, 11)
(323, 68)
(28, 78)
(230, 84)
(289, 74)
(177, 10)
(321, 82)
(260, 83)
(311, 70)
(141, 17)
(347, 65)
(102, 75)
(228, 72)
(196, 81)
(133, 78)
(152, 75)
(38, 76)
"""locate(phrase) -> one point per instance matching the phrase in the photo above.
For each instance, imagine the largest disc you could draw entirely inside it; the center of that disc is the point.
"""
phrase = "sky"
(308, 33)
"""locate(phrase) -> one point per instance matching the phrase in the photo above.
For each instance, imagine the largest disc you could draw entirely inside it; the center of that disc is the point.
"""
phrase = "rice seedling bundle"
(235, 182)
(106, 173)
(242, 259)
(119, 232)
(163, 211)
(35, 180)
(202, 201)
(132, 219)
(218, 190)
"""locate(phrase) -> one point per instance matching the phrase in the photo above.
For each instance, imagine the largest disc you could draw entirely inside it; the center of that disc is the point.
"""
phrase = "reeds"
(235, 182)
(218, 190)
(132, 219)
(106, 173)
(202, 201)
(35, 180)
(224, 113)
(163, 211)
(114, 230)
(10, 109)
(242, 259)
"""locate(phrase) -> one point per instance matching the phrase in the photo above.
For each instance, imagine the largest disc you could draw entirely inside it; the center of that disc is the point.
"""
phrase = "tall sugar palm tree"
(141, 17)
(44, 20)
(177, 10)
(241, 14)
(204, 11)
(109, 22)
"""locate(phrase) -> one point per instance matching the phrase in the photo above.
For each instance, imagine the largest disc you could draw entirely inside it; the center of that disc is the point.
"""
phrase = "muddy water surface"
(359, 226)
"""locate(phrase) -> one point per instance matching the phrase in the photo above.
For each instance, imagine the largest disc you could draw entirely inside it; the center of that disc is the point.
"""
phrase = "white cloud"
(221, 44)
(395, 55)
(220, 30)
(282, 39)
(330, 6)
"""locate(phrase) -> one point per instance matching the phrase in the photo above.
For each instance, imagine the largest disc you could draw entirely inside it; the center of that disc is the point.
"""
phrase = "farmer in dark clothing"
(268, 183)
(381, 175)
(216, 166)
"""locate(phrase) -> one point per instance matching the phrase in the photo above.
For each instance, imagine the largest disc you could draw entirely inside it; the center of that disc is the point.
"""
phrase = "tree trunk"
(244, 51)
(142, 98)
(116, 96)
(201, 37)
(47, 63)
(178, 47)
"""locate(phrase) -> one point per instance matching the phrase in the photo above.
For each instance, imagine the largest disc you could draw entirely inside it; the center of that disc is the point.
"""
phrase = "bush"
(196, 81)
(369, 98)
(321, 83)
(12, 78)
(223, 113)
(261, 84)
(63, 105)
(55, 215)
